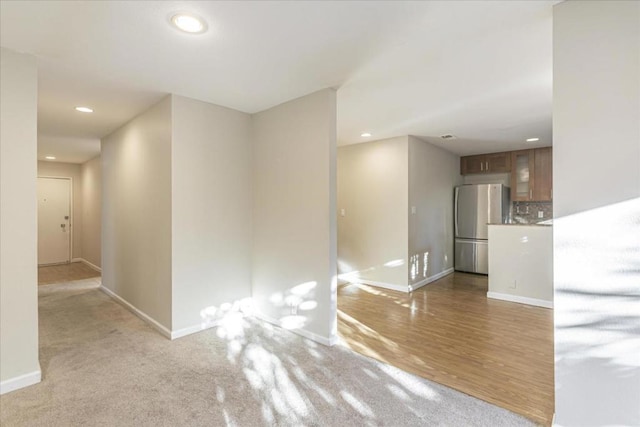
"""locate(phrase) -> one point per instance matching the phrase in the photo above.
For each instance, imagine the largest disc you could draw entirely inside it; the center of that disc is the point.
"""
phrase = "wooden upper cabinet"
(522, 175)
(499, 162)
(531, 175)
(472, 164)
(543, 166)
(531, 171)
(485, 163)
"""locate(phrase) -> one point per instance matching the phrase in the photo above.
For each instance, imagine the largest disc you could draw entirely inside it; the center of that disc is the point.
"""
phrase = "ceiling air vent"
(447, 136)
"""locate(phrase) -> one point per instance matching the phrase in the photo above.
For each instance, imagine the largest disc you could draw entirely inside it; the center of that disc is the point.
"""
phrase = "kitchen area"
(457, 293)
(503, 224)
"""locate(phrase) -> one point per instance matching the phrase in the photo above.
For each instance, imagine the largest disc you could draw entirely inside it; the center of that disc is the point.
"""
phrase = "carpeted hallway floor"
(65, 273)
(103, 366)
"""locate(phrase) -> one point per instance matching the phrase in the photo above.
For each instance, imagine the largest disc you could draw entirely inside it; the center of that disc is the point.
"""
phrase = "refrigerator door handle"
(455, 213)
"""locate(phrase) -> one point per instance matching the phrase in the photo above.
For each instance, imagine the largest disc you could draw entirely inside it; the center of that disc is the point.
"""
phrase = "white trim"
(54, 263)
(90, 265)
(553, 420)
(430, 279)
(164, 331)
(192, 330)
(20, 381)
(331, 341)
(521, 300)
(390, 286)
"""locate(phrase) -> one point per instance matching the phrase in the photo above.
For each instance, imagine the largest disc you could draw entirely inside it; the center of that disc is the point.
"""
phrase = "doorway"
(54, 220)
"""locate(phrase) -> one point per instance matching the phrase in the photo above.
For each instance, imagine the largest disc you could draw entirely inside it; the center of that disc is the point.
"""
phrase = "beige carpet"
(65, 273)
(104, 366)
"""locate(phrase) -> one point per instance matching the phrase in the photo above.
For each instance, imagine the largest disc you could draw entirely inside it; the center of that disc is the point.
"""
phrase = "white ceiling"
(68, 149)
(480, 70)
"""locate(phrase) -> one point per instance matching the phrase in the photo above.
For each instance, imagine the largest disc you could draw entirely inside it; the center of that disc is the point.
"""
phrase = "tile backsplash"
(527, 212)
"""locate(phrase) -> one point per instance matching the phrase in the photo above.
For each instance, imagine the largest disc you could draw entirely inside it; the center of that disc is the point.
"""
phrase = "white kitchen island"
(521, 264)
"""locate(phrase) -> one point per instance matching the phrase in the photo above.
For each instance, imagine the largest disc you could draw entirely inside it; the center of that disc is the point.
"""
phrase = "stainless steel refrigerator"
(477, 205)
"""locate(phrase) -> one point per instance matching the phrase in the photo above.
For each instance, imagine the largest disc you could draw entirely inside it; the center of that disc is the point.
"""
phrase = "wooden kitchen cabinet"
(499, 162)
(472, 164)
(522, 175)
(543, 168)
(531, 175)
(485, 163)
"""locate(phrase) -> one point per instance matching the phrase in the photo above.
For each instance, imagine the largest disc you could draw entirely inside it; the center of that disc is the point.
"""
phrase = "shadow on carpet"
(102, 365)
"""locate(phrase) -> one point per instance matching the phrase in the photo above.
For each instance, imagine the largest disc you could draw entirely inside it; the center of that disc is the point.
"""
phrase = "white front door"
(54, 220)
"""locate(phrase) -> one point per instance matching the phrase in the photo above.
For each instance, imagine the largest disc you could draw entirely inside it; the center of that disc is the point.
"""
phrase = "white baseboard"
(430, 279)
(164, 331)
(399, 288)
(354, 277)
(302, 332)
(521, 300)
(389, 286)
(89, 264)
(192, 330)
(384, 285)
(21, 381)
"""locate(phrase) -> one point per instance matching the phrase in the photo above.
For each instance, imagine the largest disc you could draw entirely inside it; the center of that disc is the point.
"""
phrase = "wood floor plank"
(451, 333)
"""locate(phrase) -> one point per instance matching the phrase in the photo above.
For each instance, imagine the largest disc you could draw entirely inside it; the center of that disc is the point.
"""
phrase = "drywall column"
(294, 248)
(69, 170)
(596, 171)
(136, 215)
(19, 366)
(373, 194)
(433, 174)
(211, 213)
(91, 176)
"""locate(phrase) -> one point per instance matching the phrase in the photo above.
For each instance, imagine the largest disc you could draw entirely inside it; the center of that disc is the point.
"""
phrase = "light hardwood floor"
(450, 333)
(65, 273)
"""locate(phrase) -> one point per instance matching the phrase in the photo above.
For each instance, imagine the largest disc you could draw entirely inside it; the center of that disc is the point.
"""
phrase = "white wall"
(19, 365)
(596, 170)
(211, 210)
(433, 174)
(69, 170)
(294, 245)
(136, 215)
(91, 184)
(521, 264)
(373, 191)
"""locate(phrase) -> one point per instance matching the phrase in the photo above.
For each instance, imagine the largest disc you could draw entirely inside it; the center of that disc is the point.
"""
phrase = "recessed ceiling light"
(533, 139)
(189, 23)
(365, 135)
(50, 157)
(84, 109)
